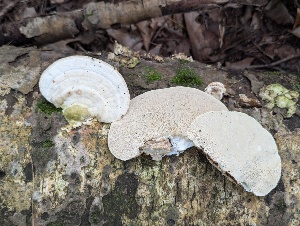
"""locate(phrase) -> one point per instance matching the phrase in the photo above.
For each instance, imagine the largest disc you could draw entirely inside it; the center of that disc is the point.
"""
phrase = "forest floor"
(231, 36)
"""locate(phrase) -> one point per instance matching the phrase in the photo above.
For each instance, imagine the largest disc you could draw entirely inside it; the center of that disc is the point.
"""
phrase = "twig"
(275, 63)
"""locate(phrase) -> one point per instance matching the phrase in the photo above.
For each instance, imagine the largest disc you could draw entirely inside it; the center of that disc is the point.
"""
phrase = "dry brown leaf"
(246, 101)
(278, 12)
(147, 29)
(256, 22)
(270, 50)
(297, 20)
(247, 15)
(179, 22)
(183, 47)
(285, 51)
(275, 51)
(296, 32)
(29, 12)
(124, 37)
(155, 50)
(296, 27)
(203, 41)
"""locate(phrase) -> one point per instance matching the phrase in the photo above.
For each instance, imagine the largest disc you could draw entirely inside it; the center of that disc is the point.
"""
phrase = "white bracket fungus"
(216, 89)
(85, 87)
(240, 147)
(157, 121)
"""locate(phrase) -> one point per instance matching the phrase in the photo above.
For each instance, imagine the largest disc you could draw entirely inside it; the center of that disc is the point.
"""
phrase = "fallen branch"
(274, 63)
(41, 30)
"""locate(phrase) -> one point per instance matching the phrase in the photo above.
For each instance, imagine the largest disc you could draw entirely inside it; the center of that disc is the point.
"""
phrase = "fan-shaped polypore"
(85, 87)
(156, 122)
(240, 147)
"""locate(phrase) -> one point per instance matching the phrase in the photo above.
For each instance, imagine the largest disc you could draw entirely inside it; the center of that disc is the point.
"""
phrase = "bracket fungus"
(240, 147)
(216, 89)
(85, 87)
(157, 121)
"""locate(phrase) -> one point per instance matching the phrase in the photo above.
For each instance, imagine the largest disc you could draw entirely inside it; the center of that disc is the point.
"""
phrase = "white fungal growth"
(157, 119)
(239, 146)
(179, 145)
(216, 89)
(85, 87)
(158, 148)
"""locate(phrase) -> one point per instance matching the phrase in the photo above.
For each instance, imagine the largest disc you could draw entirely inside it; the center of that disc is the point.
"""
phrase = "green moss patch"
(47, 108)
(47, 144)
(186, 76)
(152, 75)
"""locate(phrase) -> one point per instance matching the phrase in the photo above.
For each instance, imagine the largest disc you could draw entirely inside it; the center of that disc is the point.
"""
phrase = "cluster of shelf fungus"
(165, 121)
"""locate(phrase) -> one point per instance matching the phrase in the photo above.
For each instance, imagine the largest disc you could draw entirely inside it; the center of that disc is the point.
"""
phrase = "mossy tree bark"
(53, 175)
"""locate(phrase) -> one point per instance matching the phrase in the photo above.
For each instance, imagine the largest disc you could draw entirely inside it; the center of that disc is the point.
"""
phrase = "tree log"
(53, 175)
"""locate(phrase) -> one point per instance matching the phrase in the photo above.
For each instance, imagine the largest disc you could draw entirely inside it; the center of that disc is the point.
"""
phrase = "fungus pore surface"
(239, 146)
(85, 87)
(156, 122)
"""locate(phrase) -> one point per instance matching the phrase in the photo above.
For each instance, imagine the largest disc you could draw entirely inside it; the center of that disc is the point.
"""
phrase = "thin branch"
(275, 63)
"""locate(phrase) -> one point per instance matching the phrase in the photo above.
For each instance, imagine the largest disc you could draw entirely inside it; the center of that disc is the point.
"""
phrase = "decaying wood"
(101, 15)
(53, 175)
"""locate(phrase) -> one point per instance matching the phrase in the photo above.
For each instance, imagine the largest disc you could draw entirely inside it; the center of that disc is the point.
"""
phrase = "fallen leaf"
(29, 12)
(147, 29)
(296, 27)
(245, 101)
(277, 11)
(125, 38)
(203, 41)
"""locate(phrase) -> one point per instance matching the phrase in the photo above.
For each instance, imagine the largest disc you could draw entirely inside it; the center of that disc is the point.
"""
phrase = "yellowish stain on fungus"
(15, 149)
(76, 112)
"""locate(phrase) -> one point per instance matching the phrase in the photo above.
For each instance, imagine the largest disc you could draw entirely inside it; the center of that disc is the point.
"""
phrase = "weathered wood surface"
(52, 176)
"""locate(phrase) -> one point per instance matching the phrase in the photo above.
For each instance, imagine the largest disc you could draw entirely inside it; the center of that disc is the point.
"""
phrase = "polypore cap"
(157, 120)
(85, 87)
(216, 89)
(240, 147)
